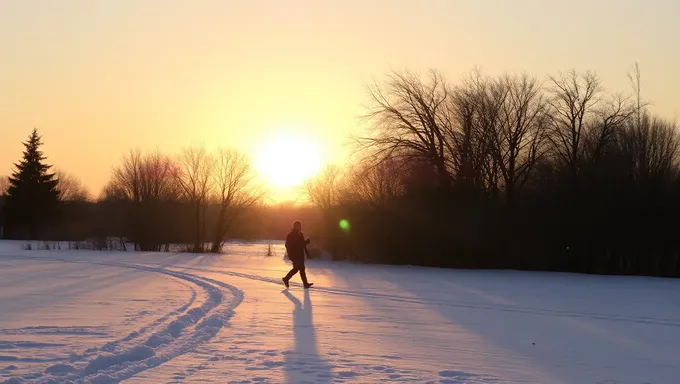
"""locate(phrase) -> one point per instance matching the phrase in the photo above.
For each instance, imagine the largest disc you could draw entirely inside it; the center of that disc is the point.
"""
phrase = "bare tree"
(143, 177)
(195, 180)
(125, 183)
(652, 146)
(609, 119)
(574, 102)
(145, 181)
(234, 191)
(71, 188)
(517, 141)
(323, 190)
(373, 183)
(472, 120)
(408, 119)
(4, 185)
(636, 83)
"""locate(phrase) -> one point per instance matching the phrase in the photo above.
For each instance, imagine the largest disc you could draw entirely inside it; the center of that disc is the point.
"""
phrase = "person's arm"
(304, 244)
(288, 244)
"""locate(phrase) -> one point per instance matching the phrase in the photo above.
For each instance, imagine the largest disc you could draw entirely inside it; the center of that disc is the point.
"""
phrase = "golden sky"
(98, 78)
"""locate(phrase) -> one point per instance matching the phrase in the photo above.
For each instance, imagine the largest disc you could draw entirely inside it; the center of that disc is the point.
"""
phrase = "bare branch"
(234, 190)
(518, 141)
(406, 116)
(573, 104)
(70, 187)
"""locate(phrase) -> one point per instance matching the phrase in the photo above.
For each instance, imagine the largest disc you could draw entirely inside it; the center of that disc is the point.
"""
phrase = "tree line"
(508, 172)
(504, 171)
(153, 200)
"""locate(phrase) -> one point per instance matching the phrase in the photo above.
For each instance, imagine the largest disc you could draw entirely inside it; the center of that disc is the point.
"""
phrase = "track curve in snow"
(170, 336)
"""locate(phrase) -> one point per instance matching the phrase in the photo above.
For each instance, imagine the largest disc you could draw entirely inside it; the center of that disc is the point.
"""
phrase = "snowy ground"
(104, 317)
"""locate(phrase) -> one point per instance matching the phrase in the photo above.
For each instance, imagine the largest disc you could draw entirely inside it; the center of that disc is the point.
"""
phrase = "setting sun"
(288, 160)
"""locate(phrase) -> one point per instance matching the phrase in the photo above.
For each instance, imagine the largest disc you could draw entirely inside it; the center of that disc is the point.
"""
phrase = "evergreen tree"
(32, 196)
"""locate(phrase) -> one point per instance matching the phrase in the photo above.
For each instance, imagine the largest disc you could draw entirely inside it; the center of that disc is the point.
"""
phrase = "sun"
(287, 160)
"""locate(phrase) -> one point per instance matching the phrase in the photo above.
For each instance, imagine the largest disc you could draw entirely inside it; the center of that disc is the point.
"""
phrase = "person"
(296, 247)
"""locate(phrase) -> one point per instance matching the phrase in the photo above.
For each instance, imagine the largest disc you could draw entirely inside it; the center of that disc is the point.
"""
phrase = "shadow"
(304, 364)
(550, 321)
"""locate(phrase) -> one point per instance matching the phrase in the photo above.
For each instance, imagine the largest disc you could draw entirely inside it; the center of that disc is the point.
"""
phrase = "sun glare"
(288, 160)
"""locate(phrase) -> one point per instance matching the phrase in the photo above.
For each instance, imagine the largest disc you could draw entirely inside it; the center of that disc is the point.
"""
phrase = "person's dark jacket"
(296, 245)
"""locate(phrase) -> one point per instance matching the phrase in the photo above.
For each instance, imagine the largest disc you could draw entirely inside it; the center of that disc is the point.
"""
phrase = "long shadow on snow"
(513, 296)
(495, 305)
(500, 294)
(304, 364)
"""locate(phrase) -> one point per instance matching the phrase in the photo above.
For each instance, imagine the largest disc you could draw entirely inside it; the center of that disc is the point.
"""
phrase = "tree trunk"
(197, 240)
(218, 237)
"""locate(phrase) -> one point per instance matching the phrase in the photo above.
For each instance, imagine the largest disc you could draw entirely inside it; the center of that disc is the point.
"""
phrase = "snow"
(107, 317)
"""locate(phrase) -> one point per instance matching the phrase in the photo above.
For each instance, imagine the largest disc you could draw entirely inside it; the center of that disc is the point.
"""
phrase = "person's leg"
(303, 275)
(296, 268)
(291, 273)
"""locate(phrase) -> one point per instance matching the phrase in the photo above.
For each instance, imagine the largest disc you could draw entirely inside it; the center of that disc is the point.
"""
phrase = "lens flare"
(344, 225)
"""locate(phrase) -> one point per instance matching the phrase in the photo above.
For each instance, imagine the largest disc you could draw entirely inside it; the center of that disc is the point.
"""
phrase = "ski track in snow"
(193, 327)
(236, 329)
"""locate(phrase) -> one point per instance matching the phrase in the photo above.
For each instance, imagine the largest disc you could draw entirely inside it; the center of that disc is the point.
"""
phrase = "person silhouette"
(296, 248)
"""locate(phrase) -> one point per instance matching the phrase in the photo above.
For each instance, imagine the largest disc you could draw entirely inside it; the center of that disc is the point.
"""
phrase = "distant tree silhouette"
(147, 183)
(376, 183)
(323, 190)
(4, 185)
(518, 141)
(409, 121)
(234, 192)
(487, 172)
(32, 196)
(504, 172)
(584, 121)
(144, 177)
(195, 180)
(474, 117)
(574, 99)
(70, 187)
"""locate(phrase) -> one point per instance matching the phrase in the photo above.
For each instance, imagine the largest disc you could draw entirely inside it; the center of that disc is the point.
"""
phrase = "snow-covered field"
(102, 317)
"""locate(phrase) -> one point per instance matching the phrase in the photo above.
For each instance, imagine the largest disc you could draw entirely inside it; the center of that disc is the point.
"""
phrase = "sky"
(99, 78)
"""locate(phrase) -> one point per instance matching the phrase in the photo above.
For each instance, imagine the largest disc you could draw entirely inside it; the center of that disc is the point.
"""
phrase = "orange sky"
(98, 78)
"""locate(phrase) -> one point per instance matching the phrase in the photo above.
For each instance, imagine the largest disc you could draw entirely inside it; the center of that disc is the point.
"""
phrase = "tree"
(574, 99)
(409, 121)
(472, 118)
(323, 190)
(517, 141)
(32, 196)
(652, 144)
(4, 185)
(144, 177)
(373, 183)
(583, 121)
(70, 187)
(235, 192)
(195, 180)
(146, 184)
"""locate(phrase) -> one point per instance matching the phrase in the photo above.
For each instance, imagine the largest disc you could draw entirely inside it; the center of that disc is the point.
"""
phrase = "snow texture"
(107, 317)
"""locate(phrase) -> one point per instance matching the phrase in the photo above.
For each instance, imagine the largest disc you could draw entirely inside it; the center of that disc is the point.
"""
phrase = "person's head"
(297, 226)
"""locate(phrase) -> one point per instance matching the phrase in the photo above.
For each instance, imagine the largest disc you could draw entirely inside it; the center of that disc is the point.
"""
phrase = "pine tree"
(32, 196)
